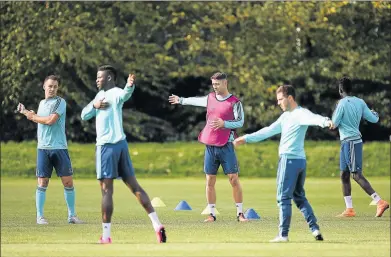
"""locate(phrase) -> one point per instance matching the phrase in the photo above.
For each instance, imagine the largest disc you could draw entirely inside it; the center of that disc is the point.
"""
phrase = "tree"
(174, 47)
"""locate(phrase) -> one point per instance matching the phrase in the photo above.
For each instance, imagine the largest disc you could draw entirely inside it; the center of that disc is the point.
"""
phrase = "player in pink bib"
(224, 115)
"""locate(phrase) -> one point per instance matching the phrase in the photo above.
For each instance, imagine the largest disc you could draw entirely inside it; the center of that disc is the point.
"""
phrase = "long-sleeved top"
(230, 124)
(293, 126)
(109, 128)
(348, 114)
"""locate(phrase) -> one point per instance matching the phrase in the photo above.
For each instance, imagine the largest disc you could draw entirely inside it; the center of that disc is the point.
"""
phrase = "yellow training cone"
(157, 202)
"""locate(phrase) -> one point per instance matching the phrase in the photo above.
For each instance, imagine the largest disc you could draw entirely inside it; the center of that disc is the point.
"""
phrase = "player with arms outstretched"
(112, 154)
(291, 173)
(224, 115)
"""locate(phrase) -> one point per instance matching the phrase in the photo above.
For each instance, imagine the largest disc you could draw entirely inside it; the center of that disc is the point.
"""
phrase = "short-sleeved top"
(52, 136)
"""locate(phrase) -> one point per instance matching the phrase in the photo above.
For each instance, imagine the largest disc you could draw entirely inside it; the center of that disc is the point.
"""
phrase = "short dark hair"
(110, 69)
(219, 76)
(287, 90)
(52, 77)
(345, 84)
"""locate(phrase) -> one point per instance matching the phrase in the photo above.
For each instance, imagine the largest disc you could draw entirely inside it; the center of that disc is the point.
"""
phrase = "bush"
(186, 159)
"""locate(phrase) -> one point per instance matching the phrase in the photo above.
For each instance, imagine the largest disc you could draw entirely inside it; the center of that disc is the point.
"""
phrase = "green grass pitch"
(133, 235)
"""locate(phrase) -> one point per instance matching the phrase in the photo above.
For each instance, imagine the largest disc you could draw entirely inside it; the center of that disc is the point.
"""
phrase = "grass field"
(133, 235)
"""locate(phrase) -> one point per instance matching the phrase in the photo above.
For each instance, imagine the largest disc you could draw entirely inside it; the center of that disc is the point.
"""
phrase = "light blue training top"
(292, 125)
(52, 136)
(109, 128)
(348, 114)
(230, 124)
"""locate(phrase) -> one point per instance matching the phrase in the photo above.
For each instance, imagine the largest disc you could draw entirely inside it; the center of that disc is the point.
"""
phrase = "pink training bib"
(217, 109)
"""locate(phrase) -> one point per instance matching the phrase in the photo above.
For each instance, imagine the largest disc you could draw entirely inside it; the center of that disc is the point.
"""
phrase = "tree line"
(174, 47)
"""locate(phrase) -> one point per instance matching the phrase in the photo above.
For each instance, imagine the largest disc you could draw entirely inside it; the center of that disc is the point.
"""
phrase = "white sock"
(376, 198)
(106, 230)
(212, 208)
(348, 201)
(155, 221)
(239, 208)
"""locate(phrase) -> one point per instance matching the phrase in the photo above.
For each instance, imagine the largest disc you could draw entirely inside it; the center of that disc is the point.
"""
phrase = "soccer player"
(291, 173)
(347, 116)
(52, 148)
(112, 155)
(224, 115)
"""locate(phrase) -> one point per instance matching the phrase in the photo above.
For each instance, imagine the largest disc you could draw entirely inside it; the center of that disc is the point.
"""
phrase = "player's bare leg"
(107, 199)
(382, 205)
(143, 198)
(363, 182)
(107, 209)
(347, 193)
(211, 197)
(237, 194)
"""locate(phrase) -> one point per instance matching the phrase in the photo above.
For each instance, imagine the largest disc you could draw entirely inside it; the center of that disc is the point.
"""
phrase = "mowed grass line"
(133, 235)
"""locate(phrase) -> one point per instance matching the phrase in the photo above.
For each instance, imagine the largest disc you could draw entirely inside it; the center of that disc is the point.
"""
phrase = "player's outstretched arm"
(311, 119)
(195, 101)
(173, 99)
(370, 115)
(337, 115)
(239, 141)
(129, 88)
(262, 134)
